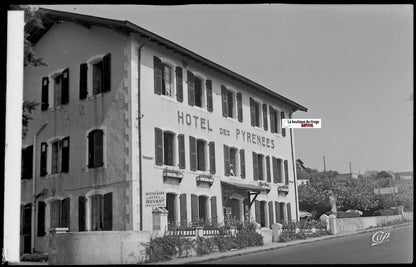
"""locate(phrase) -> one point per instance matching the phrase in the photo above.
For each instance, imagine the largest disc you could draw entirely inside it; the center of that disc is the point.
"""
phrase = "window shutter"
(260, 167)
(182, 203)
(28, 162)
(41, 218)
(158, 147)
(66, 208)
(65, 87)
(98, 148)
(81, 213)
(106, 74)
(224, 101)
(289, 212)
(272, 120)
(275, 170)
(157, 74)
(91, 149)
(269, 179)
(281, 211)
(265, 117)
(255, 167)
(257, 211)
(108, 211)
(271, 219)
(226, 160)
(279, 171)
(242, 164)
(181, 145)
(214, 209)
(83, 81)
(194, 208)
(277, 116)
(277, 211)
(45, 93)
(192, 152)
(209, 95)
(212, 168)
(286, 172)
(65, 154)
(252, 112)
(191, 88)
(179, 84)
(43, 158)
(240, 107)
(282, 115)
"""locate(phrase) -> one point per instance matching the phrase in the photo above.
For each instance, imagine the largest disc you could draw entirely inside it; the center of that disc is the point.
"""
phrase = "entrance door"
(170, 206)
(26, 221)
(263, 213)
(203, 202)
(235, 209)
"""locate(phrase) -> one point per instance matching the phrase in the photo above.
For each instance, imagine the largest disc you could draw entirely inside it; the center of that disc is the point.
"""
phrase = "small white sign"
(155, 199)
(301, 123)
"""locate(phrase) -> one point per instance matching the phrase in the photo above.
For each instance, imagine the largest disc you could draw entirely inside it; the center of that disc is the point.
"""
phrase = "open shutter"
(108, 211)
(158, 146)
(269, 179)
(28, 162)
(209, 95)
(255, 167)
(179, 84)
(81, 213)
(286, 172)
(275, 170)
(83, 81)
(226, 160)
(98, 148)
(282, 116)
(181, 145)
(224, 101)
(192, 152)
(66, 208)
(191, 88)
(157, 74)
(194, 208)
(257, 211)
(272, 120)
(65, 87)
(277, 211)
(214, 210)
(41, 218)
(43, 158)
(182, 203)
(252, 112)
(289, 212)
(271, 216)
(212, 168)
(240, 107)
(65, 154)
(91, 149)
(45, 93)
(242, 164)
(265, 117)
(106, 74)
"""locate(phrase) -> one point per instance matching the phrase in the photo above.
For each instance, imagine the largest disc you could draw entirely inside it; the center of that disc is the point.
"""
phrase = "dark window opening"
(167, 80)
(260, 166)
(233, 162)
(170, 207)
(95, 148)
(57, 89)
(200, 146)
(203, 204)
(198, 92)
(256, 114)
(230, 102)
(168, 148)
(97, 72)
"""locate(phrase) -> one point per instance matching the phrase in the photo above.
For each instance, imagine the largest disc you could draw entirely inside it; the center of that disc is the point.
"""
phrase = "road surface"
(396, 248)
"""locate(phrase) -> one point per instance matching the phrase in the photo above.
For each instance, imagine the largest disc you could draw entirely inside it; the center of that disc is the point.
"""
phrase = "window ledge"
(232, 119)
(90, 169)
(92, 97)
(259, 128)
(200, 109)
(54, 175)
(169, 98)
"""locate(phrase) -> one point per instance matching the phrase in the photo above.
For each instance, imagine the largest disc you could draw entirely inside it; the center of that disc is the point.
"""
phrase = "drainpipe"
(32, 223)
(140, 133)
(295, 182)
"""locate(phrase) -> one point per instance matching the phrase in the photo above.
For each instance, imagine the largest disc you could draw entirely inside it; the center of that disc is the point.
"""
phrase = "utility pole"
(350, 167)
(324, 164)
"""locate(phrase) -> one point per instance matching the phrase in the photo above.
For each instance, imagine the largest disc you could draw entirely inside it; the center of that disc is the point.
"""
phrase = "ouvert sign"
(155, 199)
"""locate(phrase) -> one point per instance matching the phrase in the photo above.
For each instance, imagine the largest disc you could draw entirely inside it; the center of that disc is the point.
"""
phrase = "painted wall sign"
(198, 122)
(155, 199)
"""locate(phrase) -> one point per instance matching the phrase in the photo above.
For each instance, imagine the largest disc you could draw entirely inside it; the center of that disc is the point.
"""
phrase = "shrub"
(161, 248)
(352, 214)
(385, 212)
(249, 239)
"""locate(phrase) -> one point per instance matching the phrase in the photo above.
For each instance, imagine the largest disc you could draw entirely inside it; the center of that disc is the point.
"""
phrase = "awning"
(243, 186)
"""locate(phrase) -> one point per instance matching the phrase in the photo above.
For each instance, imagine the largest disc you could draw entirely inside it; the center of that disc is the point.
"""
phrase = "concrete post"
(277, 231)
(160, 219)
(199, 231)
(333, 226)
(400, 211)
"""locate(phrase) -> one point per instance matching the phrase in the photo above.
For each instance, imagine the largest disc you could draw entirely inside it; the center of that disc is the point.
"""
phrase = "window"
(261, 166)
(99, 71)
(27, 158)
(167, 80)
(168, 148)
(101, 212)
(199, 96)
(59, 213)
(258, 166)
(41, 218)
(58, 159)
(255, 113)
(95, 148)
(231, 102)
(55, 86)
(200, 144)
(277, 170)
(233, 161)
(165, 149)
(197, 90)
(274, 120)
(56, 156)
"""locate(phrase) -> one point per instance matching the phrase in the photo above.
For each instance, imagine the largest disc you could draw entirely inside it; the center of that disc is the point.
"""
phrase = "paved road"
(349, 249)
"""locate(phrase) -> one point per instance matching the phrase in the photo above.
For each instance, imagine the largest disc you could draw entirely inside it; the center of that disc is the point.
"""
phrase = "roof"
(53, 16)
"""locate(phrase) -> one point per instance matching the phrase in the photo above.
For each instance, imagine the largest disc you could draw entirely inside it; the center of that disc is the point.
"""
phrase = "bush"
(385, 212)
(352, 214)
(249, 239)
(161, 248)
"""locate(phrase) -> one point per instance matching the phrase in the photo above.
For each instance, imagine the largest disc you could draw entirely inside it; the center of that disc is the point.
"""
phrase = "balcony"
(283, 189)
(172, 174)
(204, 179)
(264, 186)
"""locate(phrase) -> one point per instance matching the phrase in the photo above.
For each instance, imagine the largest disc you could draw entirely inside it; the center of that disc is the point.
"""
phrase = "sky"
(350, 65)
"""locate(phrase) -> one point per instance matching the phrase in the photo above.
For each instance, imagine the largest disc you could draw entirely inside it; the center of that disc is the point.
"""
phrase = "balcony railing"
(204, 179)
(283, 189)
(172, 174)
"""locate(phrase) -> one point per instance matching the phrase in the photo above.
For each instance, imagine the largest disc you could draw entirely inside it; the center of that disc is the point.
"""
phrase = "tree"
(32, 18)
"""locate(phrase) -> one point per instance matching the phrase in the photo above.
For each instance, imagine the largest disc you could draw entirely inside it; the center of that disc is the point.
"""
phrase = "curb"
(192, 260)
